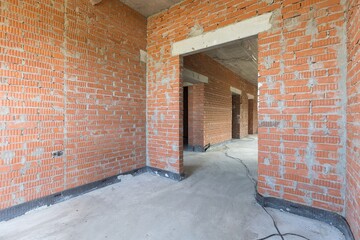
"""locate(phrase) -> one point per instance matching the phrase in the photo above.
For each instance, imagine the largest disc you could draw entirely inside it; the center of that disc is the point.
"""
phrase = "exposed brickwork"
(302, 137)
(218, 100)
(353, 118)
(302, 157)
(71, 80)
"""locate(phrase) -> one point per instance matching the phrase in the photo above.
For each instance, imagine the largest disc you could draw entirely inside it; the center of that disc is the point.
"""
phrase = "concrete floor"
(216, 201)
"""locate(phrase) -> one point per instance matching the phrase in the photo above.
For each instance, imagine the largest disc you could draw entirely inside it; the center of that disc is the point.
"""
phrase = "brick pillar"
(196, 117)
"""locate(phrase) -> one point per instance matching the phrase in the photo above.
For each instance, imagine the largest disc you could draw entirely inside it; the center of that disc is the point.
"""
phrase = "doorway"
(251, 116)
(236, 102)
(186, 117)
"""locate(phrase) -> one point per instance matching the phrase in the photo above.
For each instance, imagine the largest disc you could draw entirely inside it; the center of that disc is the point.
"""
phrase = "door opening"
(236, 102)
(186, 116)
(251, 116)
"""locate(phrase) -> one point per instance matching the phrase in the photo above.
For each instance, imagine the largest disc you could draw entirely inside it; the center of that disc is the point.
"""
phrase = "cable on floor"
(254, 181)
(274, 223)
(248, 173)
(285, 234)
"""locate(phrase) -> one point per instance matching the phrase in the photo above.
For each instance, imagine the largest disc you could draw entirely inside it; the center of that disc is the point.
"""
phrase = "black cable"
(297, 235)
(285, 234)
(270, 236)
(248, 173)
(274, 222)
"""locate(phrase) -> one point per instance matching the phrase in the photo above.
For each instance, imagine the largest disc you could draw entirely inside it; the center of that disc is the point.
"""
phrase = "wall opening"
(251, 116)
(185, 117)
(236, 101)
(225, 107)
(171, 158)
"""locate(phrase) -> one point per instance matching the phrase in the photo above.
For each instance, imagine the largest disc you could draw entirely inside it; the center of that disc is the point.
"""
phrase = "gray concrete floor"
(216, 201)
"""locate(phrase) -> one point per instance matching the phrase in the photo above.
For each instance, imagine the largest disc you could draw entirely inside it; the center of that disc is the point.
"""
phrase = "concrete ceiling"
(240, 57)
(150, 7)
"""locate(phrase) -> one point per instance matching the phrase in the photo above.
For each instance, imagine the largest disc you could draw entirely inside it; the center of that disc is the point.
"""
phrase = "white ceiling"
(150, 7)
(240, 57)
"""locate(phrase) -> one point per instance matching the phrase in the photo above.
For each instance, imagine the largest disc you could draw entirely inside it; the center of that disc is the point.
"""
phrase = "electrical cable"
(274, 223)
(285, 234)
(254, 181)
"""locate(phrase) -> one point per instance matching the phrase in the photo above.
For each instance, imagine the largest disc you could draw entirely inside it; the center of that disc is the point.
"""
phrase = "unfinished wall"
(70, 81)
(353, 118)
(218, 100)
(302, 111)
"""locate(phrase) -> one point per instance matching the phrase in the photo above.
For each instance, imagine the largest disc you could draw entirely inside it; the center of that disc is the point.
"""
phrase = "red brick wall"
(218, 101)
(353, 118)
(71, 80)
(302, 137)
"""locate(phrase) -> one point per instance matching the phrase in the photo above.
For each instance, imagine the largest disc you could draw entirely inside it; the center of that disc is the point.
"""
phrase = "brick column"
(196, 117)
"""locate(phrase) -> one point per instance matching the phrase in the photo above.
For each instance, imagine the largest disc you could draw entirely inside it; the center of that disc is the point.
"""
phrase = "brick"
(36, 54)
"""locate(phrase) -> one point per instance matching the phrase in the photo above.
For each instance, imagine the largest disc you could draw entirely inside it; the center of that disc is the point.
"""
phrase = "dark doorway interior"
(236, 101)
(251, 116)
(186, 117)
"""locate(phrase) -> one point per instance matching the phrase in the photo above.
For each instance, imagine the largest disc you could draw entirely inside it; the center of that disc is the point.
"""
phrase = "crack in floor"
(254, 181)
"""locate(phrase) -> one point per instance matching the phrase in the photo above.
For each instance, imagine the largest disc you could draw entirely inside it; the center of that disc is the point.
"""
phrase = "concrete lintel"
(250, 96)
(236, 31)
(235, 90)
(192, 77)
(94, 2)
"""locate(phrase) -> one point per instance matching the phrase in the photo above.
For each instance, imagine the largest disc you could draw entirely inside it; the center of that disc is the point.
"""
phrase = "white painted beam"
(192, 77)
(216, 38)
